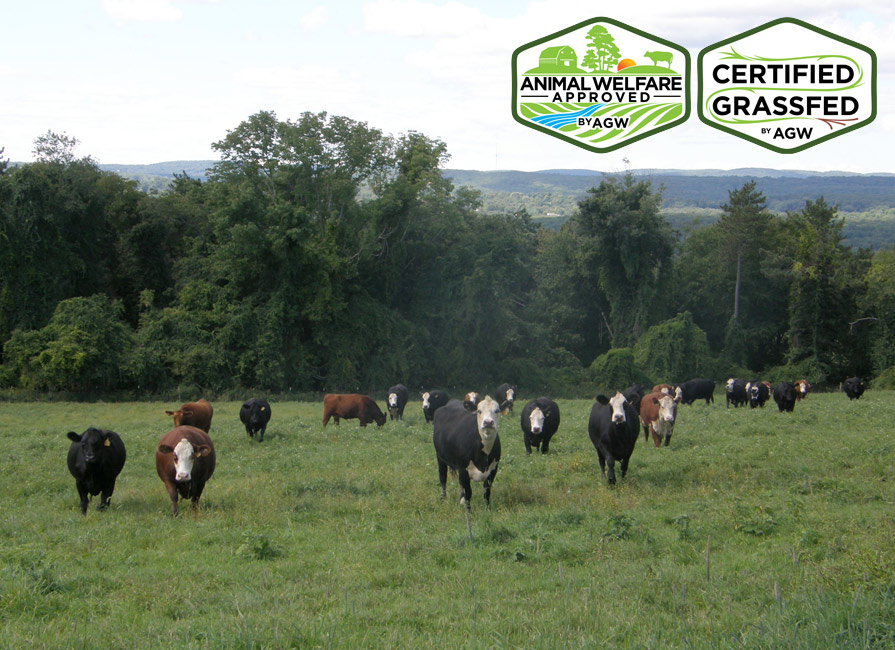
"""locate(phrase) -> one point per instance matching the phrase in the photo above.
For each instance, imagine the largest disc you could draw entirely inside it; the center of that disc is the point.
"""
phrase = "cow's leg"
(527, 444)
(610, 474)
(252, 433)
(544, 445)
(442, 478)
(487, 484)
(657, 439)
(85, 498)
(624, 465)
(263, 429)
(173, 495)
(106, 496)
(667, 439)
(465, 487)
(196, 492)
(602, 463)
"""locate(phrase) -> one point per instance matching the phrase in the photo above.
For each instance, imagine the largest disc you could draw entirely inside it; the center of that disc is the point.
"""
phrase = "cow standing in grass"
(95, 458)
(467, 442)
(613, 429)
(539, 421)
(184, 460)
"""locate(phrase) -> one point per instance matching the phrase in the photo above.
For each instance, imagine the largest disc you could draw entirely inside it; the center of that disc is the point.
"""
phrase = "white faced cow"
(467, 442)
(658, 411)
(613, 428)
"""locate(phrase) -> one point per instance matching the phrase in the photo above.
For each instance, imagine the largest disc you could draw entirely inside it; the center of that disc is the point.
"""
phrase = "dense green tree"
(827, 285)
(625, 250)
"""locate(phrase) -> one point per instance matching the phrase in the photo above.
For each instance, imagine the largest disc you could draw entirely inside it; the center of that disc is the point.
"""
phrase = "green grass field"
(754, 529)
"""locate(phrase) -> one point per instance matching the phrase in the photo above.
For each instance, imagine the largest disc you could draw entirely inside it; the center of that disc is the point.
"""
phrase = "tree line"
(324, 255)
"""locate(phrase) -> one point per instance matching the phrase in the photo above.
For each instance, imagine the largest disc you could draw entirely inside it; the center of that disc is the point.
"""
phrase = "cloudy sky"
(144, 81)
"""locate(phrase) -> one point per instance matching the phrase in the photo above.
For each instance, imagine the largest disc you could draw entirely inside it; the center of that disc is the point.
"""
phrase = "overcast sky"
(145, 81)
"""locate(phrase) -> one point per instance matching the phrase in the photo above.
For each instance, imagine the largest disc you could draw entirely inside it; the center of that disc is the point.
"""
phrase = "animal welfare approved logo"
(787, 85)
(601, 85)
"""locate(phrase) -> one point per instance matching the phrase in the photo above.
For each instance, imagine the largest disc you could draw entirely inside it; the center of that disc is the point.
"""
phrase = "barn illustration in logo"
(601, 85)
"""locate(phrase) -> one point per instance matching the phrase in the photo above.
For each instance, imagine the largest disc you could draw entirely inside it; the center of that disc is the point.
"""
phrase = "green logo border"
(761, 28)
(602, 19)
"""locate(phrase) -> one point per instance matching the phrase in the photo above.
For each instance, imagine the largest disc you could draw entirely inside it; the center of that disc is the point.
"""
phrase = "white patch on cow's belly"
(478, 476)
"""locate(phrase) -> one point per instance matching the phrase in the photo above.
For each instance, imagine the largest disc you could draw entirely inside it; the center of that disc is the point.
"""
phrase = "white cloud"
(142, 10)
(414, 18)
(315, 19)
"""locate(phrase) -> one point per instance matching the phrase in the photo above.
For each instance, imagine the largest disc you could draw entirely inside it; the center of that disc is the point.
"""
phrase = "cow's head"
(184, 456)
(730, 383)
(178, 415)
(667, 408)
(425, 397)
(471, 400)
(617, 403)
(393, 400)
(536, 421)
(92, 442)
(487, 415)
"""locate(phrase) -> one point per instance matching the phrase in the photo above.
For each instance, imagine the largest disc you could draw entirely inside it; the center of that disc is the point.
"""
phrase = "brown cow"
(348, 407)
(193, 414)
(668, 389)
(184, 460)
(658, 412)
(802, 388)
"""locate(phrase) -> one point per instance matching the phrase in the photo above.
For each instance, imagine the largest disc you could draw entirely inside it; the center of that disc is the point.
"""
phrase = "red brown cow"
(193, 414)
(184, 460)
(802, 388)
(658, 412)
(348, 407)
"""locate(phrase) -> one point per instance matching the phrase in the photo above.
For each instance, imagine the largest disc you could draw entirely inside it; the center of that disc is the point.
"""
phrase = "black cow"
(540, 420)
(255, 414)
(95, 459)
(613, 427)
(432, 401)
(695, 389)
(468, 443)
(634, 393)
(506, 397)
(853, 387)
(785, 394)
(757, 393)
(396, 401)
(736, 392)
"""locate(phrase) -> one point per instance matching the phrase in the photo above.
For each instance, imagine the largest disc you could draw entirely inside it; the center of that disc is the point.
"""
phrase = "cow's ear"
(106, 442)
(202, 450)
(655, 400)
(169, 412)
(74, 437)
(262, 409)
(166, 449)
(186, 413)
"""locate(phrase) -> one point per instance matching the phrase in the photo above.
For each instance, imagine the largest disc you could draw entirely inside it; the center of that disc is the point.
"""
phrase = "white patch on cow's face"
(476, 475)
(425, 397)
(618, 408)
(183, 461)
(666, 390)
(678, 394)
(487, 414)
(730, 383)
(803, 389)
(511, 394)
(667, 409)
(471, 397)
(393, 400)
(536, 418)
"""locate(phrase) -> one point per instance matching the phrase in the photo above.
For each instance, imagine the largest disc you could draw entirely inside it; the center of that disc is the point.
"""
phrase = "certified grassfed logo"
(787, 85)
(601, 84)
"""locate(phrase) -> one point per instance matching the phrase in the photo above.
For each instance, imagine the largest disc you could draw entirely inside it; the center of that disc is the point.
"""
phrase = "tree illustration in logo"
(603, 54)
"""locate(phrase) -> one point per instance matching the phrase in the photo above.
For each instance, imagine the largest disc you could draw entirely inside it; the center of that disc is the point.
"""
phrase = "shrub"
(674, 350)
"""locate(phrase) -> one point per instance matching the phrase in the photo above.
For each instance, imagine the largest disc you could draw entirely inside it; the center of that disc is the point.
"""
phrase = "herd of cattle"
(465, 433)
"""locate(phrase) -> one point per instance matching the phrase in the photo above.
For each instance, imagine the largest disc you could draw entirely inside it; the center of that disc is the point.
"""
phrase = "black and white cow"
(757, 393)
(540, 420)
(467, 442)
(95, 459)
(471, 400)
(785, 395)
(255, 414)
(396, 401)
(506, 397)
(613, 427)
(853, 387)
(432, 401)
(736, 392)
(695, 389)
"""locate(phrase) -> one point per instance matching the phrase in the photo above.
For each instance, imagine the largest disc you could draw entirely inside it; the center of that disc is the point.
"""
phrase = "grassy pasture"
(754, 529)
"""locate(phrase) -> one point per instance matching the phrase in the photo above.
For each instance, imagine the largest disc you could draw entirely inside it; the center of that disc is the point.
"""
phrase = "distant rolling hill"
(690, 197)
